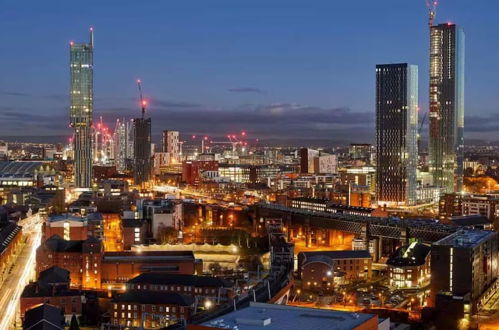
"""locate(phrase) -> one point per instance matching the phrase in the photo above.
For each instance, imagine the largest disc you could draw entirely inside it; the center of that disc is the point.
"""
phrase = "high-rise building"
(81, 108)
(171, 145)
(142, 149)
(446, 141)
(396, 133)
(121, 139)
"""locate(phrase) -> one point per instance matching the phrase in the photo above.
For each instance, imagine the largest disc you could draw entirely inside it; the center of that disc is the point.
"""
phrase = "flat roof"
(466, 238)
(277, 317)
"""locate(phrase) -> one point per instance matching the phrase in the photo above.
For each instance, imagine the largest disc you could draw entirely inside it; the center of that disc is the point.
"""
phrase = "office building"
(396, 133)
(81, 108)
(446, 141)
(464, 264)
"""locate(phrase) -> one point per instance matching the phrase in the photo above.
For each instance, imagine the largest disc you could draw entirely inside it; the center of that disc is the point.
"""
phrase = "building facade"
(171, 145)
(446, 140)
(396, 133)
(465, 264)
(81, 108)
(409, 266)
(142, 150)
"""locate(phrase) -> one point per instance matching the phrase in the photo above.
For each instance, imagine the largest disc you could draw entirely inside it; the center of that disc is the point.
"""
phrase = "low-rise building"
(10, 238)
(322, 270)
(204, 288)
(134, 232)
(119, 267)
(409, 266)
(277, 317)
(150, 309)
(53, 287)
(82, 258)
(44, 316)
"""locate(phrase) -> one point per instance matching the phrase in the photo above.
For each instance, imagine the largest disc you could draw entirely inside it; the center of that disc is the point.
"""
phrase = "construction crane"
(432, 11)
(143, 103)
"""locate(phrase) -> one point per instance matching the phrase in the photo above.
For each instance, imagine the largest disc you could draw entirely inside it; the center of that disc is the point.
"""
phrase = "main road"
(22, 272)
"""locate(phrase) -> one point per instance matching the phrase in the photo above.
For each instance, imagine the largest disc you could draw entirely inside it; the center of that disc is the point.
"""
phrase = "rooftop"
(410, 255)
(464, 238)
(43, 316)
(277, 317)
(191, 280)
(154, 297)
(341, 254)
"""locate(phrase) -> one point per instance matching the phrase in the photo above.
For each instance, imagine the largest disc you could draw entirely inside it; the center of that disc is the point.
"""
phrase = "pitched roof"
(43, 316)
(154, 297)
(7, 233)
(57, 244)
(179, 279)
(54, 274)
(409, 255)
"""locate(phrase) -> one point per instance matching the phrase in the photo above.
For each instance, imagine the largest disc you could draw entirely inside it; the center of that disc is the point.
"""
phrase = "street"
(22, 272)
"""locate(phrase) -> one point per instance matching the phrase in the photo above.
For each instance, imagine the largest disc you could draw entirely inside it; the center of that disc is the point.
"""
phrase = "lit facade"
(81, 108)
(446, 141)
(171, 145)
(396, 133)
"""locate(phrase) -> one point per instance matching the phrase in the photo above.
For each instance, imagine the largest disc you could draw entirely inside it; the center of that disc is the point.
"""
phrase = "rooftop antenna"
(92, 37)
(432, 11)
(143, 103)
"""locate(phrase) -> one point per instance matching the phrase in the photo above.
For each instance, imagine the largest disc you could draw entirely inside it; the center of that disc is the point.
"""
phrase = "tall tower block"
(81, 60)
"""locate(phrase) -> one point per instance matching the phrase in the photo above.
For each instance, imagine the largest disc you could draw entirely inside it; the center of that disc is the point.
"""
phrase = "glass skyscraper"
(446, 142)
(81, 108)
(396, 133)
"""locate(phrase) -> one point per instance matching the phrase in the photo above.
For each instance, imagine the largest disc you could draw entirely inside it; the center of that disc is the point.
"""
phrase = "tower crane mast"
(432, 11)
(143, 103)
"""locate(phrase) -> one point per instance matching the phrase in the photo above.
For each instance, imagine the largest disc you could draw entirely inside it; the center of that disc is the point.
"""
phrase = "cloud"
(8, 93)
(246, 90)
(477, 124)
(269, 121)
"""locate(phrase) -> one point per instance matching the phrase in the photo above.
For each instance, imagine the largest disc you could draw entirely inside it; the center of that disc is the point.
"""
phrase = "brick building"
(119, 267)
(91, 268)
(457, 204)
(409, 266)
(157, 308)
(192, 170)
(134, 232)
(10, 238)
(321, 270)
(204, 287)
(53, 287)
(67, 226)
(81, 258)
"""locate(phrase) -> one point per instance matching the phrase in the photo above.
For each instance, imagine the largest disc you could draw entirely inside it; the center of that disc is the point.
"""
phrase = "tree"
(74, 323)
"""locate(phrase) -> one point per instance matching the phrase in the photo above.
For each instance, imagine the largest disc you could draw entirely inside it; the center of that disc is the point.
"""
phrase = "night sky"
(282, 70)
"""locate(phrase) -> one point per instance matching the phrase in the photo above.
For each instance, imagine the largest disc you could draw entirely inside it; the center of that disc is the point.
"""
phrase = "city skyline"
(230, 102)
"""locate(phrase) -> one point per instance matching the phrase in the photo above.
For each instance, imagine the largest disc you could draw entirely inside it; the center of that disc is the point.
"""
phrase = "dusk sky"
(285, 70)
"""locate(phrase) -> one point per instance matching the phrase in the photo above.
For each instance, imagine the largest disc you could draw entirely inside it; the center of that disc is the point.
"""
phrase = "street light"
(207, 304)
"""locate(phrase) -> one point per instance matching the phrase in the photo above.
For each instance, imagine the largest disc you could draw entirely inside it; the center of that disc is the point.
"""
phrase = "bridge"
(367, 228)
(275, 288)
